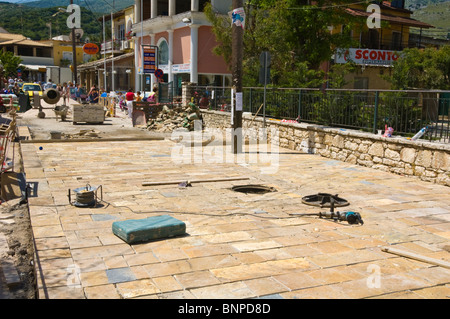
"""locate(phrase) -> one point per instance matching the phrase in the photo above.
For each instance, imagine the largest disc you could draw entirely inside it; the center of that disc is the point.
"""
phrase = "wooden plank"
(195, 181)
(433, 261)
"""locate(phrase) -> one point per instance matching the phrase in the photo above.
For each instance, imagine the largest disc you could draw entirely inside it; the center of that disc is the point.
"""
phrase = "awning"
(32, 67)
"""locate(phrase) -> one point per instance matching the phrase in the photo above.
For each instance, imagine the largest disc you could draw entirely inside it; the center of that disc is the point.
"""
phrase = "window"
(121, 32)
(396, 41)
(67, 56)
(361, 83)
(163, 52)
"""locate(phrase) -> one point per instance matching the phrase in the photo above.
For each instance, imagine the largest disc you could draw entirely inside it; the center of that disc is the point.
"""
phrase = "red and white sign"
(367, 56)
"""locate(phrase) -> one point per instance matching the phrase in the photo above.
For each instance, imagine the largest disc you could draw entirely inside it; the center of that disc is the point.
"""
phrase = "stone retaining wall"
(424, 160)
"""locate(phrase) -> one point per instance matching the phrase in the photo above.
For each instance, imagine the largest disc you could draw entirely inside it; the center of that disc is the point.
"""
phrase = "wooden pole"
(418, 257)
(237, 56)
(225, 179)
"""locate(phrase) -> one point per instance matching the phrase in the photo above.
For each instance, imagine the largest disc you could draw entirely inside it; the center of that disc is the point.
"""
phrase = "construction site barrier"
(110, 104)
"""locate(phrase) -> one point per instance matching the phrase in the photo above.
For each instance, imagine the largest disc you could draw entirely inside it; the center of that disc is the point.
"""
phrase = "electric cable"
(198, 213)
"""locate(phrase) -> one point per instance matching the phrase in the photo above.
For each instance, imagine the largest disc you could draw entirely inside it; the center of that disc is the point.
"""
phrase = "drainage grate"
(253, 189)
(324, 200)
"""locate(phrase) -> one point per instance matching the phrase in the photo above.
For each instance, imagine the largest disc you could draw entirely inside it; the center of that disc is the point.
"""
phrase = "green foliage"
(10, 63)
(32, 22)
(424, 69)
(296, 35)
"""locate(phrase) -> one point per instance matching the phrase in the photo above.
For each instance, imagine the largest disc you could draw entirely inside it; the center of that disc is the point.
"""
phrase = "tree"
(296, 34)
(10, 63)
(423, 69)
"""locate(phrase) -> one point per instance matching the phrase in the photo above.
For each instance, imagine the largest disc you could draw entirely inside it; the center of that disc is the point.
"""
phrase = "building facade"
(182, 36)
(114, 71)
(36, 56)
(377, 48)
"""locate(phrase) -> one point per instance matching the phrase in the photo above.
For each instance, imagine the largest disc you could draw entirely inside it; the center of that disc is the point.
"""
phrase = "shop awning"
(32, 67)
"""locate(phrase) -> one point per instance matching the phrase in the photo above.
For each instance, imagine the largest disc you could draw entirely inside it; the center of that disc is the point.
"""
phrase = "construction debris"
(170, 119)
(83, 134)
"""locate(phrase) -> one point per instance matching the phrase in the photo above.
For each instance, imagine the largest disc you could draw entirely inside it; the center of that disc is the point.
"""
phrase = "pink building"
(183, 36)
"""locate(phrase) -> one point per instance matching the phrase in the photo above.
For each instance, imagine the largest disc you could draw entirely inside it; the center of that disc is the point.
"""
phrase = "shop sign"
(367, 56)
(90, 48)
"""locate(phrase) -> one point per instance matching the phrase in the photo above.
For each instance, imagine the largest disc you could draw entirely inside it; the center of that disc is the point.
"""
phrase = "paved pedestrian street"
(237, 245)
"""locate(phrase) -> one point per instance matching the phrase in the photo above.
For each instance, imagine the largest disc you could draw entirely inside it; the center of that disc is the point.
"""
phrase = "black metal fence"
(407, 112)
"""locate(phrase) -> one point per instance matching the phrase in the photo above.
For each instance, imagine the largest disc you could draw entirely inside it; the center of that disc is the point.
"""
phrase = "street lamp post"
(74, 53)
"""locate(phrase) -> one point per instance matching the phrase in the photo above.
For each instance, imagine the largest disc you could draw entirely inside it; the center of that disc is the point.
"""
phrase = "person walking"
(65, 93)
(48, 85)
(129, 97)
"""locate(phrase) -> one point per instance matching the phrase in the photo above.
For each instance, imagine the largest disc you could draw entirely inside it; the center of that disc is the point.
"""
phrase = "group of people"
(11, 86)
(126, 100)
(67, 90)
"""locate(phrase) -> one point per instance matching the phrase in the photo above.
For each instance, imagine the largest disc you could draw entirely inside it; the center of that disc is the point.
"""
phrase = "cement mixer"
(50, 96)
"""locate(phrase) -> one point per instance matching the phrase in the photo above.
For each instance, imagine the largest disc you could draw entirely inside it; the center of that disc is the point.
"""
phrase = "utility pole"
(74, 53)
(112, 50)
(237, 55)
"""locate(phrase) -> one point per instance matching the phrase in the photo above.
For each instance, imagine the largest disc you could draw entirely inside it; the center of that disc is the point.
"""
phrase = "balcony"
(120, 46)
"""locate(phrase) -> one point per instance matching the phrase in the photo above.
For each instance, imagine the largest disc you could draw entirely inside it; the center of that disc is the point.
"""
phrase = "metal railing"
(407, 112)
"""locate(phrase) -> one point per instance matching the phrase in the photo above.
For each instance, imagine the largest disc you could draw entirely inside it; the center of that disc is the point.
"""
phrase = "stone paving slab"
(237, 245)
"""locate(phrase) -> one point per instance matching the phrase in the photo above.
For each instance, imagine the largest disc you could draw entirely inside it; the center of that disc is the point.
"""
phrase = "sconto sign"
(367, 56)
(90, 48)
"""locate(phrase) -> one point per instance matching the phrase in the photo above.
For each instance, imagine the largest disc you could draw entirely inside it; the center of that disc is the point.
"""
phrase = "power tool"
(350, 217)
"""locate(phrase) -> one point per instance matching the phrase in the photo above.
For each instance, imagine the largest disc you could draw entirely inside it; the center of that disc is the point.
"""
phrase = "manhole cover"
(253, 189)
(324, 200)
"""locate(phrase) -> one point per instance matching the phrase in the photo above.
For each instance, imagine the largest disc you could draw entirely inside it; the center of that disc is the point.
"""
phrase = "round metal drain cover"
(253, 189)
(324, 200)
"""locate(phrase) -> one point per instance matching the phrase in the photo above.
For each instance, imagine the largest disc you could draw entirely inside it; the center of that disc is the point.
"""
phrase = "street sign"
(264, 75)
(159, 73)
(149, 59)
(264, 59)
(264, 70)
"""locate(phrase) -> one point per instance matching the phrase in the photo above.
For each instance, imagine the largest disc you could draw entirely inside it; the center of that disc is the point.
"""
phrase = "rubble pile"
(82, 134)
(170, 119)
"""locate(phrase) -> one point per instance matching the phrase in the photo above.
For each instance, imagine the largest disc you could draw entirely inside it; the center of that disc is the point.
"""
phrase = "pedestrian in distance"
(121, 101)
(48, 85)
(93, 95)
(138, 96)
(152, 97)
(129, 97)
(65, 93)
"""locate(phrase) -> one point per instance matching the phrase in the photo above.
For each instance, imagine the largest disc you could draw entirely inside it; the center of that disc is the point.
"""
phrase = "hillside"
(97, 6)
(32, 22)
(436, 14)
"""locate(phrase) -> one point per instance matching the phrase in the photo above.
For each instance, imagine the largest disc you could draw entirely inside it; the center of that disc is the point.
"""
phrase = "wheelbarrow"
(61, 111)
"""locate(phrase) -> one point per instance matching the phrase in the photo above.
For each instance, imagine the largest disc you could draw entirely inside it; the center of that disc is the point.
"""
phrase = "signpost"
(264, 77)
(237, 44)
(149, 58)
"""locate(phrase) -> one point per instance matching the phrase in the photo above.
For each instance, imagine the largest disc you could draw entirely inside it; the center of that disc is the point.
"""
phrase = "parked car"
(32, 87)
